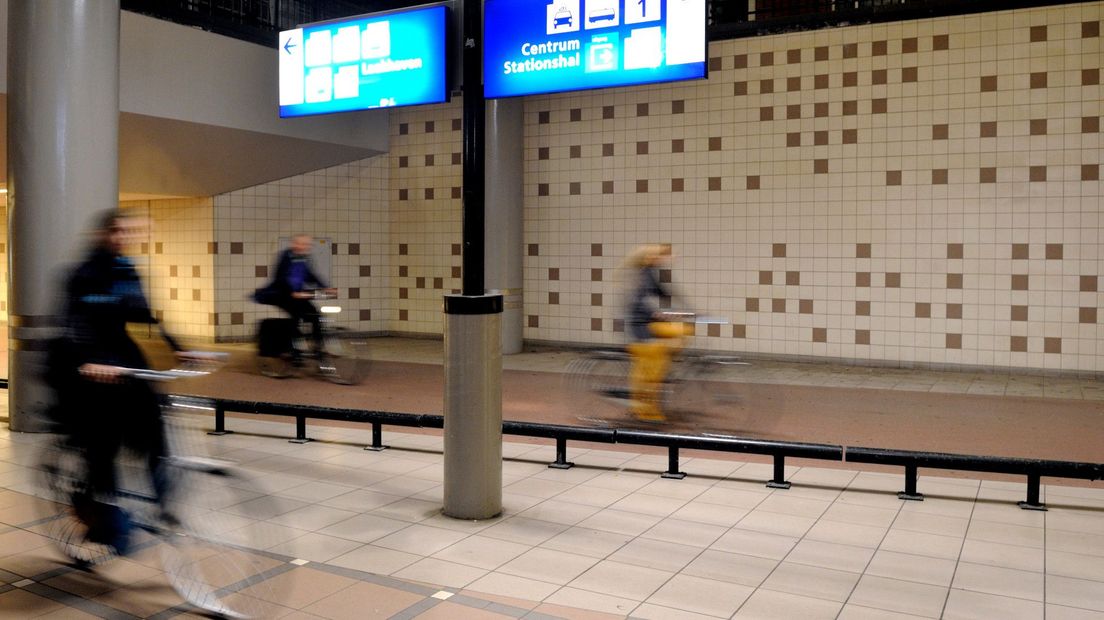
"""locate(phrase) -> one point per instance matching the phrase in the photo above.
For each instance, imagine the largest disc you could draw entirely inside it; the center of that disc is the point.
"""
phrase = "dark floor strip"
(72, 600)
(380, 580)
(416, 609)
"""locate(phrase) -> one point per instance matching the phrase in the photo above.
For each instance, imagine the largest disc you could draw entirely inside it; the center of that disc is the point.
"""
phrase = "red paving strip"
(1043, 428)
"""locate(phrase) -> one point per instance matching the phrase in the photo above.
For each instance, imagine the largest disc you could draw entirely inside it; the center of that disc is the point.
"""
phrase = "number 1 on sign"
(642, 11)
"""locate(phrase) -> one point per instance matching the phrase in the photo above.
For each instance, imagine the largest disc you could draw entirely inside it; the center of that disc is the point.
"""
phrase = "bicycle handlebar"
(197, 364)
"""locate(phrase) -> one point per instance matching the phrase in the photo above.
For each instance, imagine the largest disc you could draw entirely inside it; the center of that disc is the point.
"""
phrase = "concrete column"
(504, 212)
(473, 406)
(63, 167)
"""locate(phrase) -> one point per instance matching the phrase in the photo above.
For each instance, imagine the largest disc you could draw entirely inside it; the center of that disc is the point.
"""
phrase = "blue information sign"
(372, 61)
(544, 46)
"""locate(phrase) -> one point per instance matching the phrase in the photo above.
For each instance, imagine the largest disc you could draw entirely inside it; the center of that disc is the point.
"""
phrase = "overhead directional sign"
(542, 46)
(371, 61)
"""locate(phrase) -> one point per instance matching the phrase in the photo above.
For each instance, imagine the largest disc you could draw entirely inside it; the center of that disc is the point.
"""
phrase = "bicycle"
(282, 348)
(697, 383)
(192, 525)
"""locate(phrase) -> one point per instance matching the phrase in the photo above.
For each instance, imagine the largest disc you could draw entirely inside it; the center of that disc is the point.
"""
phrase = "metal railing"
(1033, 469)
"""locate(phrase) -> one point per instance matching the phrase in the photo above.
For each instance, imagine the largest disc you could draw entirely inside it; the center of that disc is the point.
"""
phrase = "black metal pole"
(561, 455)
(673, 472)
(1033, 503)
(779, 480)
(474, 133)
(910, 492)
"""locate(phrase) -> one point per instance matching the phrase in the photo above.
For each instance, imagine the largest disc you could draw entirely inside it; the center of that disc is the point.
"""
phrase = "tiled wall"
(425, 215)
(176, 265)
(916, 192)
(345, 203)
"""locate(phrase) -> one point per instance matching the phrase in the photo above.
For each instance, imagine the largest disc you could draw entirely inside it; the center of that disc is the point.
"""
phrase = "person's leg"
(303, 310)
(645, 379)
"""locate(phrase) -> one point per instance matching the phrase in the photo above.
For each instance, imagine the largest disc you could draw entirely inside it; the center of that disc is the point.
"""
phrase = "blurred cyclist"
(653, 340)
(292, 286)
(104, 407)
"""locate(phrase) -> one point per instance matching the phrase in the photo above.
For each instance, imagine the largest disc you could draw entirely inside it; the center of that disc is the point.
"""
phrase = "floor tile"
(621, 580)
(908, 567)
(1071, 592)
(364, 528)
(548, 565)
(373, 559)
(702, 512)
(1004, 533)
(701, 595)
(303, 586)
(565, 513)
(650, 611)
(420, 539)
(851, 534)
(831, 555)
(966, 605)
(440, 572)
(901, 596)
(514, 586)
(523, 530)
(1059, 612)
(661, 555)
(771, 605)
(588, 542)
(731, 567)
(620, 522)
(482, 552)
(811, 581)
(596, 601)
(314, 517)
(1063, 564)
(363, 600)
(776, 523)
(681, 532)
(316, 547)
(999, 581)
(917, 543)
(755, 543)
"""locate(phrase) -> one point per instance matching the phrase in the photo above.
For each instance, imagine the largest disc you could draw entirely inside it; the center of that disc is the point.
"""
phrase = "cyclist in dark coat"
(291, 286)
(105, 409)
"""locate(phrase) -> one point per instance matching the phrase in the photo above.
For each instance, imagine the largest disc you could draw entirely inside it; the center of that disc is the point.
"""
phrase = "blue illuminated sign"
(545, 46)
(374, 61)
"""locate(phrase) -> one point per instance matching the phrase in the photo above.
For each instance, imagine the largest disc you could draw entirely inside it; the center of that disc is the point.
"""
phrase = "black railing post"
(1032, 503)
(220, 421)
(673, 464)
(377, 438)
(300, 430)
(561, 455)
(779, 480)
(910, 492)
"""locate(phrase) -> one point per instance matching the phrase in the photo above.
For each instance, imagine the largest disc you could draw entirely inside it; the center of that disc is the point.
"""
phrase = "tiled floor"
(359, 534)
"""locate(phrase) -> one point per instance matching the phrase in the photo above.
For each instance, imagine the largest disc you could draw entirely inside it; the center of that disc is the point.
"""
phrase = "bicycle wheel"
(207, 554)
(345, 361)
(65, 520)
(599, 382)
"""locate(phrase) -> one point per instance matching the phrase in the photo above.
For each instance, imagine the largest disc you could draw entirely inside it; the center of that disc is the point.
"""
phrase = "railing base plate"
(567, 465)
(307, 440)
(219, 433)
(673, 475)
(912, 497)
(778, 485)
(376, 448)
(1029, 506)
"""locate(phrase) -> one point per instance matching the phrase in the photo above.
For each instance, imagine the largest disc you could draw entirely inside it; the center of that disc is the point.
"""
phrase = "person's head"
(651, 255)
(301, 244)
(115, 230)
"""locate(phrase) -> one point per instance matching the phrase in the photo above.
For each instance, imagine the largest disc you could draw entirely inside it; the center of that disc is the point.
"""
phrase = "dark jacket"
(645, 299)
(280, 287)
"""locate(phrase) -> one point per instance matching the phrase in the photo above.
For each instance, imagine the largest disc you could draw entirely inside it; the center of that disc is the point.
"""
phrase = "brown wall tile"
(793, 111)
(820, 138)
(714, 184)
(533, 320)
(553, 273)
(607, 187)
(954, 341)
(553, 298)
(922, 310)
(850, 78)
(805, 306)
(820, 81)
(862, 336)
(1038, 174)
(793, 84)
(1021, 251)
(820, 166)
(1086, 315)
(820, 334)
(1089, 284)
(642, 109)
(751, 304)
(575, 151)
(456, 272)
(820, 53)
(766, 59)
(1090, 77)
(1054, 251)
(988, 83)
(739, 89)
(678, 185)
(766, 113)
(988, 129)
(820, 109)
(879, 106)
(941, 42)
(574, 188)
(642, 186)
(954, 250)
(1038, 33)
(1052, 345)
(939, 176)
(404, 315)
(576, 115)
(850, 108)
(237, 318)
(713, 330)
(954, 311)
(909, 45)
(954, 280)
(893, 177)
(596, 325)
(715, 143)
(740, 61)
(766, 86)
(595, 275)
(608, 112)
(910, 74)
(534, 249)
(766, 277)
(850, 50)
(778, 250)
(404, 271)
(940, 131)
(1037, 127)
(596, 299)
(793, 278)
(753, 182)
(1019, 282)
(879, 48)
(987, 175)
(862, 308)
(1090, 172)
(607, 150)
(862, 250)
(793, 56)
(739, 331)
(1018, 313)
(678, 106)
(366, 314)
(862, 279)
(642, 147)
(1018, 344)
(850, 136)
(893, 280)
(879, 76)
(1038, 79)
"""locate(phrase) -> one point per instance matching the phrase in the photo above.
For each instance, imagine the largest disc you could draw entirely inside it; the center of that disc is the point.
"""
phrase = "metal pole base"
(563, 465)
(303, 440)
(220, 433)
(376, 448)
(1030, 506)
(785, 484)
(673, 475)
(912, 497)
